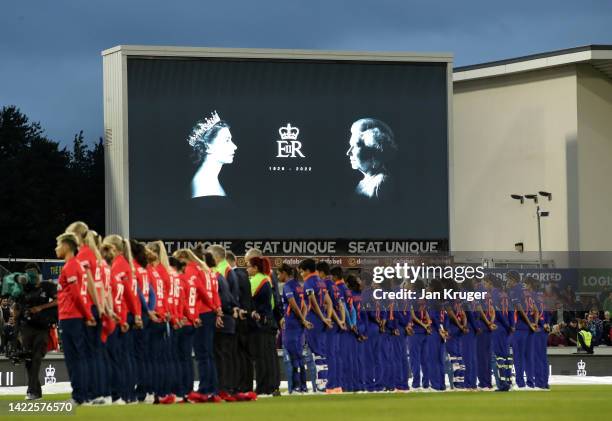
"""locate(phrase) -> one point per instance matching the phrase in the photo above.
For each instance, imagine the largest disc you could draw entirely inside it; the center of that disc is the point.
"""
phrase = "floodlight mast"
(539, 214)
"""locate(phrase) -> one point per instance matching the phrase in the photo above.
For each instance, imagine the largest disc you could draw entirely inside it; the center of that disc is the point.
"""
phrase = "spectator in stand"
(607, 304)
(595, 326)
(607, 329)
(549, 296)
(585, 338)
(571, 333)
(556, 338)
(4, 318)
(569, 296)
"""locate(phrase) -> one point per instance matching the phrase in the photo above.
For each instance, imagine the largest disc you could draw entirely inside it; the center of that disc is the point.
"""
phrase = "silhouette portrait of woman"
(213, 147)
(371, 148)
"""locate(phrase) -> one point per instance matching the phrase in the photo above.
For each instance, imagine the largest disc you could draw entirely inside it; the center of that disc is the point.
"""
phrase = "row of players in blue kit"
(360, 344)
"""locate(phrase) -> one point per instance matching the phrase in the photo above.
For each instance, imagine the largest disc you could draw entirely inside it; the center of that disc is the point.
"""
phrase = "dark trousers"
(453, 348)
(293, 342)
(503, 362)
(468, 355)
(184, 349)
(434, 347)
(119, 346)
(96, 372)
(142, 360)
(129, 365)
(540, 359)
(483, 354)
(115, 359)
(34, 341)
(521, 355)
(418, 360)
(203, 345)
(73, 342)
(267, 371)
(225, 352)
(158, 349)
(244, 359)
(174, 380)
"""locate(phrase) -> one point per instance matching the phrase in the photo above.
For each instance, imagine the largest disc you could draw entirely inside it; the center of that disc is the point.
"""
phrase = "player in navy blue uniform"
(468, 341)
(483, 340)
(500, 337)
(435, 340)
(318, 300)
(294, 324)
(540, 337)
(358, 328)
(402, 319)
(373, 369)
(345, 312)
(388, 329)
(457, 327)
(332, 340)
(421, 326)
(521, 301)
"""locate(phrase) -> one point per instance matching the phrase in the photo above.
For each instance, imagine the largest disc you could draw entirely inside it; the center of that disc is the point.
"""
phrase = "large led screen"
(287, 149)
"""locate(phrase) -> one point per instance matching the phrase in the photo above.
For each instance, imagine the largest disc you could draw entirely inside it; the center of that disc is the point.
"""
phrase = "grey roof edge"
(592, 47)
(175, 51)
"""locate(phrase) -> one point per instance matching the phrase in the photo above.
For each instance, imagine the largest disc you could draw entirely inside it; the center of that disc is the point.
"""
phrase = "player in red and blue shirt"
(146, 295)
(127, 308)
(74, 315)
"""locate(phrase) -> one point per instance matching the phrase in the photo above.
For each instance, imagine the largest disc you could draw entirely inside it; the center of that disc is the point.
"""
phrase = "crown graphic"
(202, 127)
(289, 132)
(581, 365)
(50, 371)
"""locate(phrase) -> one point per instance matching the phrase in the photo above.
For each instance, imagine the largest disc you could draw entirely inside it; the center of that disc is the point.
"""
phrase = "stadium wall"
(594, 196)
(511, 135)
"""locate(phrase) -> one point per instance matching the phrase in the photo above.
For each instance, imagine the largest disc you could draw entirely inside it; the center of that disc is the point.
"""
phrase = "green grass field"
(562, 403)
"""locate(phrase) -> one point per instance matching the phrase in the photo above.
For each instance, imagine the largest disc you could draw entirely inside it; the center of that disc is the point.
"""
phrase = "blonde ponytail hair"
(159, 248)
(80, 229)
(90, 241)
(123, 246)
(114, 240)
(128, 253)
(85, 236)
(189, 255)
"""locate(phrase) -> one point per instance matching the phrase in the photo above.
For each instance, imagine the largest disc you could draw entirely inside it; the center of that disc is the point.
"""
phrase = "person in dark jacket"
(267, 370)
(225, 337)
(244, 358)
(36, 313)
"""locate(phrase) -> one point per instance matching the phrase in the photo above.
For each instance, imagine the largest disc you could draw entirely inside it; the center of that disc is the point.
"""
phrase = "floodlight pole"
(539, 238)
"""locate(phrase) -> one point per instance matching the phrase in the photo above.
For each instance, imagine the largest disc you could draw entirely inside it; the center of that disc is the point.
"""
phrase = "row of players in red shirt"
(178, 297)
(102, 283)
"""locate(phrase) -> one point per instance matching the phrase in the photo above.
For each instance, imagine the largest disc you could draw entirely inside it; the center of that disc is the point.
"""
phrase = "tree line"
(44, 187)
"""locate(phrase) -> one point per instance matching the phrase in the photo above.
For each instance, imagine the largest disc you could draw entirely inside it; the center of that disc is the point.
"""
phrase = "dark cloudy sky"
(50, 64)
